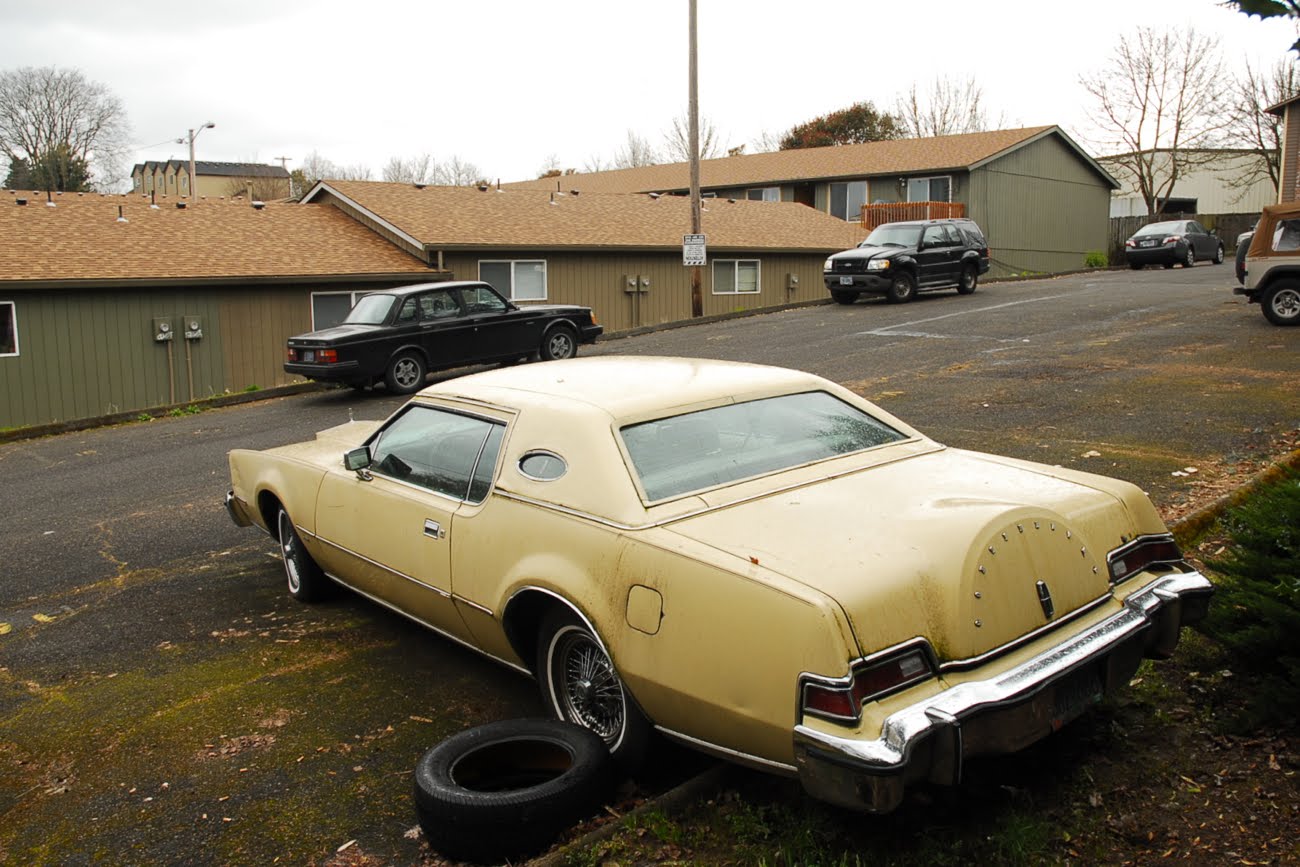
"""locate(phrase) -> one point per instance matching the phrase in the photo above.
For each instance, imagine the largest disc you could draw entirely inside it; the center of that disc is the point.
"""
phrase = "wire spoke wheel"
(589, 690)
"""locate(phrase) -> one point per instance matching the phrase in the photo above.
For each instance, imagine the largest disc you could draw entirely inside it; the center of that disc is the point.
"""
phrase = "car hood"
(950, 545)
(871, 252)
(337, 334)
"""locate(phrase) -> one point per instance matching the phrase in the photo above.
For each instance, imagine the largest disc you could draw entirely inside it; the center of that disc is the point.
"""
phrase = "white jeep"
(1269, 269)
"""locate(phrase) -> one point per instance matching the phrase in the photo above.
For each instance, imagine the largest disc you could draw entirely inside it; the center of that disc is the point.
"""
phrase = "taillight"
(842, 700)
(293, 354)
(1172, 240)
(327, 356)
(1130, 243)
(1141, 554)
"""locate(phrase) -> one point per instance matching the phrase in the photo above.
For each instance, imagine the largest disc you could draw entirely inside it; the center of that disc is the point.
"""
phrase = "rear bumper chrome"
(929, 740)
(237, 509)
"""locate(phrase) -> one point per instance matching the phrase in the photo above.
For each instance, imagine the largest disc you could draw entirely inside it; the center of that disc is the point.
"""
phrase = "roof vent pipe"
(120, 217)
(49, 200)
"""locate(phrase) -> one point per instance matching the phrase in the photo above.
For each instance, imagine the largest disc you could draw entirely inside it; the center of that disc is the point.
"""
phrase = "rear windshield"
(1161, 229)
(370, 310)
(684, 453)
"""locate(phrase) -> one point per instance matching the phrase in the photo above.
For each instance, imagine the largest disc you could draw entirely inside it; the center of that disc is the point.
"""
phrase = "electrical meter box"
(162, 331)
(193, 328)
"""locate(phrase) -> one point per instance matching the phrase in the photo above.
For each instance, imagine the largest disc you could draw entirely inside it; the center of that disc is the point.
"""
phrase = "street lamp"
(194, 133)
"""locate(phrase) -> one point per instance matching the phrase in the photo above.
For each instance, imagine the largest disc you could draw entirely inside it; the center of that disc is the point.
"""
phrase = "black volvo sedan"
(398, 335)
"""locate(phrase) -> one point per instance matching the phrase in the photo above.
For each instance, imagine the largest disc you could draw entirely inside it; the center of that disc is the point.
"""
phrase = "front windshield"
(893, 235)
(698, 450)
(370, 310)
(1161, 229)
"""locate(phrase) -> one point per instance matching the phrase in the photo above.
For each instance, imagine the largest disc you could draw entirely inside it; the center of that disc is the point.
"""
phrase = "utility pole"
(697, 292)
(194, 133)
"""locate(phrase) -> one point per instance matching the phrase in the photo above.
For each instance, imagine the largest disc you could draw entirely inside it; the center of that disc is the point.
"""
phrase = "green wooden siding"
(1042, 208)
(599, 280)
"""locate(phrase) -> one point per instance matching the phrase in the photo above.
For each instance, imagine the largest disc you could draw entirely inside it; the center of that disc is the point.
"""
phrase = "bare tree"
(635, 152)
(456, 172)
(949, 108)
(1253, 128)
(415, 170)
(47, 111)
(550, 167)
(265, 189)
(595, 163)
(1158, 105)
(677, 140)
(768, 141)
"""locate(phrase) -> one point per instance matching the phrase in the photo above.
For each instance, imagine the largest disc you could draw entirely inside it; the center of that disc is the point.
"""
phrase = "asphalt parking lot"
(163, 701)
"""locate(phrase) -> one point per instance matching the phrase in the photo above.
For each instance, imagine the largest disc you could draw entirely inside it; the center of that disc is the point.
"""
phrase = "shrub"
(1255, 615)
(1095, 259)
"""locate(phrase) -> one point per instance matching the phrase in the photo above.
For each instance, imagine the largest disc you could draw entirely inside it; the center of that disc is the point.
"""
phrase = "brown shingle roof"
(81, 239)
(901, 156)
(450, 218)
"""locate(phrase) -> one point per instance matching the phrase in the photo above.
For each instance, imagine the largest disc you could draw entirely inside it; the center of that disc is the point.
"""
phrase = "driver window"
(441, 451)
(408, 312)
(934, 237)
(479, 299)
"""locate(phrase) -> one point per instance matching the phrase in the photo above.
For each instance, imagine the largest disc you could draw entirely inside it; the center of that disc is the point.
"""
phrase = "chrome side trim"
(391, 571)
(474, 605)
(567, 604)
(729, 754)
(1027, 638)
(427, 625)
(739, 501)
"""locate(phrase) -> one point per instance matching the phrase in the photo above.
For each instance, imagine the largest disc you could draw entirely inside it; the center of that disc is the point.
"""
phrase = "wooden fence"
(893, 212)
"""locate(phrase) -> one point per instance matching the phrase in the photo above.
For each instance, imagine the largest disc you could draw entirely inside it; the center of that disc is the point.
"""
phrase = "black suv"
(900, 259)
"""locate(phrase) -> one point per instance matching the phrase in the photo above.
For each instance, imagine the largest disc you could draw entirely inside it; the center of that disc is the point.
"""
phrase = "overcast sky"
(507, 84)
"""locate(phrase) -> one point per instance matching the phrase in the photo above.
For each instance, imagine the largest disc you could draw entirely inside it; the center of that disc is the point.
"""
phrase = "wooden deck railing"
(893, 212)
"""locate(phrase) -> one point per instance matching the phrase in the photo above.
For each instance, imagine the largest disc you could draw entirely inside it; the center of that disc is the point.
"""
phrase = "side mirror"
(358, 460)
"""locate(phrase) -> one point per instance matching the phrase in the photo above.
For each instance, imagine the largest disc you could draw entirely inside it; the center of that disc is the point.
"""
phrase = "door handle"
(434, 530)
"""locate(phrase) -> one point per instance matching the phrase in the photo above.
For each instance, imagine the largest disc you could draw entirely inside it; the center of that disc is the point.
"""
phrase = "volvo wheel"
(405, 373)
(560, 342)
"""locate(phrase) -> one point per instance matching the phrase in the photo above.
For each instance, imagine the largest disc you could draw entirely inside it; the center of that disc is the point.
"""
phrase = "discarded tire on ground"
(507, 789)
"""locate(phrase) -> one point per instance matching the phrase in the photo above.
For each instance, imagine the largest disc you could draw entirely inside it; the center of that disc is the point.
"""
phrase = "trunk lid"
(949, 545)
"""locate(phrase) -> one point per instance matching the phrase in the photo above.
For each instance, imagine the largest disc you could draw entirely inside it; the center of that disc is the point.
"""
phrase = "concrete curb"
(1189, 527)
(235, 399)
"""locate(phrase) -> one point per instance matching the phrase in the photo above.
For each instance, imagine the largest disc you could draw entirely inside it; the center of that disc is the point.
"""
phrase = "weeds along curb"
(1194, 524)
(709, 780)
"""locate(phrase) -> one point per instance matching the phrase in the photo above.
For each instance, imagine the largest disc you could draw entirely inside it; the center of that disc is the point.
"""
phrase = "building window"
(735, 277)
(929, 189)
(763, 194)
(518, 280)
(8, 329)
(329, 308)
(847, 200)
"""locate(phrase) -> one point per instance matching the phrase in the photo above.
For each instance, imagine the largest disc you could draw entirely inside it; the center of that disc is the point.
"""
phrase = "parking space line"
(890, 330)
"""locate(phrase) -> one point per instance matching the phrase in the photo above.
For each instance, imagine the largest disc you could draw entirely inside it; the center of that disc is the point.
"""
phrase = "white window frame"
(928, 179)
(13, 321)
(356, 293)
(514, 264)
(758, 282)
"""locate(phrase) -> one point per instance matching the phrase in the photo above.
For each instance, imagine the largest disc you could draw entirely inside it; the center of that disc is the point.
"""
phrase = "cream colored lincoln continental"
(751, 560)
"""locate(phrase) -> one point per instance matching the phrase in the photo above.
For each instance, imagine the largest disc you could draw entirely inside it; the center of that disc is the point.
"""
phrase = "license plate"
(846, 281)
(1148, 243)
(308, 355)
(1079, 692)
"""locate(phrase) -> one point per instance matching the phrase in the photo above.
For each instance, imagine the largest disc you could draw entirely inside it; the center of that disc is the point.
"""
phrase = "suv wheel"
(902, 290)
(970, 278)
(842, 297)
(1281, 303)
